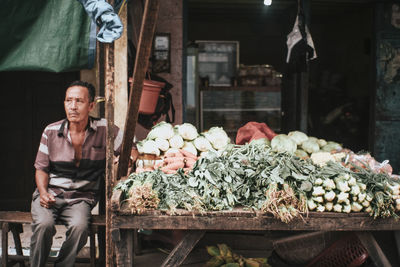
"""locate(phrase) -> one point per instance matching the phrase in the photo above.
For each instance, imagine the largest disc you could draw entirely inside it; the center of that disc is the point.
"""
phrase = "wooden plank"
(121, 71)
(374, 250)
(124, 247)
(141, 65)
(261, 223)
(183, 248)
(109, 87)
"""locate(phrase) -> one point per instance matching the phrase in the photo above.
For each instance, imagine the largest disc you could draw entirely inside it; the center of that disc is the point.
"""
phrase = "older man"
(70, 165)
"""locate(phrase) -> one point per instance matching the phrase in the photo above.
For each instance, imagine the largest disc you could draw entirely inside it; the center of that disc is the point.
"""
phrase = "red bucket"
(150, 93)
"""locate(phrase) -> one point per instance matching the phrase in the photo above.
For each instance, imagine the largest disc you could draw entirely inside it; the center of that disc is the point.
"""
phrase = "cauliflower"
(321, 158)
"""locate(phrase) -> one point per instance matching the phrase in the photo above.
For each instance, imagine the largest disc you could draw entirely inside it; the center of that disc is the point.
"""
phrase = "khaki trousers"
(75, 217)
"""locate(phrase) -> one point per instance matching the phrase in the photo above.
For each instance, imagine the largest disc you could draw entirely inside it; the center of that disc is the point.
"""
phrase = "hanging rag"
(110, 26)
(299, 41)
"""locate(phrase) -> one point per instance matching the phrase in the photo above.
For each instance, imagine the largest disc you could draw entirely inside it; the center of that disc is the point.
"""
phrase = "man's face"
(77, 105)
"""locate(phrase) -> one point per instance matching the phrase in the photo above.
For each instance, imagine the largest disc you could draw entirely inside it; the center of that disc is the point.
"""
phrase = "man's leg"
(76, 217)
(43, 230)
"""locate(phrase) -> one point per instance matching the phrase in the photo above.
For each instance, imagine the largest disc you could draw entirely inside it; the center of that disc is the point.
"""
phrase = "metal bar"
(141, 64)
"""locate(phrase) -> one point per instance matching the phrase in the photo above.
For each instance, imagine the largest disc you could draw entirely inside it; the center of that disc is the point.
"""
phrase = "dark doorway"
(29, 102)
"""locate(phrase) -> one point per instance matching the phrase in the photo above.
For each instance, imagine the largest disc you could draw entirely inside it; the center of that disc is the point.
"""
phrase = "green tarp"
(45, 35)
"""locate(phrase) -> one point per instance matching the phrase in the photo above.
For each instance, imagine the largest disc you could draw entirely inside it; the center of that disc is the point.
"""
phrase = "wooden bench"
(13, 221)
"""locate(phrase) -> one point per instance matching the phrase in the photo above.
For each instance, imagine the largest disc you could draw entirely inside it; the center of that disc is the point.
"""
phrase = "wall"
(170, 20)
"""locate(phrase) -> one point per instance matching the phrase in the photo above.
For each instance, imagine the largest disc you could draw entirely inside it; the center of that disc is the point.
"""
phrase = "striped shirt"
(56, 156)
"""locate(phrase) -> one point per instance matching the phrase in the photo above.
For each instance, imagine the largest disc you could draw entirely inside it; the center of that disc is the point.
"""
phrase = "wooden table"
(239, 220)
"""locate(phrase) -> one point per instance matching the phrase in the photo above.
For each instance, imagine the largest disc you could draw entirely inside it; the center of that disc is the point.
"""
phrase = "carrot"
(173, 154)
(173, 159)
(188, 154)
(190, 162)
(173, 166)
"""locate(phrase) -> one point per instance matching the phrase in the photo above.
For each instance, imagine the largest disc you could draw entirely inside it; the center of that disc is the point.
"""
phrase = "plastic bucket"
(150, 93)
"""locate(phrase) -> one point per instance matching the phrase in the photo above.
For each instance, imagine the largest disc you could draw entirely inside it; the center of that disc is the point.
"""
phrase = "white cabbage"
(176, 141)
(298, 137)
(187, 131)
(283, 143)
(162, 130)
(150, 147)
(322, 142)
(310, 146)
(202, 144)
(188, 146)
(261, 141)
(162, 144)
(217, 137)
(331, 146)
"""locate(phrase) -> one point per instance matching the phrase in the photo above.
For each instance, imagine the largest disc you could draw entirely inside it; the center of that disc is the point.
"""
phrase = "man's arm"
(42, 182)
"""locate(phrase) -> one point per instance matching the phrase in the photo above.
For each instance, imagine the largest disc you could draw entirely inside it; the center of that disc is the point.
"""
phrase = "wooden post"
(121, 72)
(109, 115)
(141, 64)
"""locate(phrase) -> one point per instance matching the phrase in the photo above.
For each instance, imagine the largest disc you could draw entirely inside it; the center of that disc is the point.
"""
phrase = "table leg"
(373, 248)
(123, 239)
(397, 238)
(183, 248)
(4, 244)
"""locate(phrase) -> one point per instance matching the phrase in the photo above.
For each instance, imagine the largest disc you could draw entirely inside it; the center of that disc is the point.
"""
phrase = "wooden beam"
(373, 248)
(109, 84)
(183, 248)
(141, 64)
(243, 221)
(121, 72)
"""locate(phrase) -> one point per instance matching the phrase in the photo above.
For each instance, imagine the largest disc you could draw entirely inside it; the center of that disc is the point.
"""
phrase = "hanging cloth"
(299, 41)
(110, 26)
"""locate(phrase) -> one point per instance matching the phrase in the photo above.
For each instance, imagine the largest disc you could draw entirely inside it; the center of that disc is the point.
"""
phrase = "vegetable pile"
(164, 138)
(168, 143)
(257, 177)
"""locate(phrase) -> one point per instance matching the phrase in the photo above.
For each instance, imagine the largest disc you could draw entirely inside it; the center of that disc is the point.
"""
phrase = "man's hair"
(89, 86)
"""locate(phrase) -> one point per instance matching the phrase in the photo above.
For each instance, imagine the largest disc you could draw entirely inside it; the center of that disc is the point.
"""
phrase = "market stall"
(286, 193)
(201, 182)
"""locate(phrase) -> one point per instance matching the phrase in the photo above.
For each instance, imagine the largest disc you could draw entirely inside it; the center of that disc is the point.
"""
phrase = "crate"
(302, 248)
(347, 251)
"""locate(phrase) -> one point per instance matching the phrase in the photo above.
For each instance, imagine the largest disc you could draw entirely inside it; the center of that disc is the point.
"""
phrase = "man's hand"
(47, 200)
